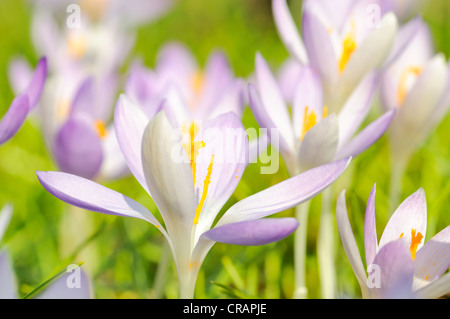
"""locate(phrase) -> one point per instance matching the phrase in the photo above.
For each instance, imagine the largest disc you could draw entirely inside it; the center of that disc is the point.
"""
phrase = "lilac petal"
(320, 49)
(8, 285)
(36, 86)
(349, 242)
(69, 287)
(286, 194)
(433, 259)
(20, 74)
(253, 232)
(14, 118)
(130, 123)
(78, 148)
(232, 100)
(410, 215)
(288, 75)
(436, 289)
(5, 217)
(272, 101)
(367, 137)
(396, 269)
(288, 31)
(89, 195)
(370, 230)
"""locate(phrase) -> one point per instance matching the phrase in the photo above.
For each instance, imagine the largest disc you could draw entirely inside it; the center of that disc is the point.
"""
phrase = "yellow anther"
(95, 9)
(198, 82)
(325, 112)
(415, 241)
(403, 84)
(206, 183)
(348, 47)
(192, 147)
(309, 120)
(76, 44)
(100, 127)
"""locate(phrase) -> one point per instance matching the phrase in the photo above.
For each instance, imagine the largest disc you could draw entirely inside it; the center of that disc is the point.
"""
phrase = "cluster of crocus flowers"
(190, 178)
(57, 289)
(401, 264)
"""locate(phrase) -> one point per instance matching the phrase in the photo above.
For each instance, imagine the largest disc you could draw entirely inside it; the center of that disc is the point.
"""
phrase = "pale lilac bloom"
(56, 290)
(343, 41)
(189, 183)
(408, 267)
(313, 136)
(417, 85)
(24, 103)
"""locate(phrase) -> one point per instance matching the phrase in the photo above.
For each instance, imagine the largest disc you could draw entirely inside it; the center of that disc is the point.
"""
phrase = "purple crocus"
(401, 264)
(56, 290)
(24, 103)
(313, 135)
(343, 41)
(190, 181)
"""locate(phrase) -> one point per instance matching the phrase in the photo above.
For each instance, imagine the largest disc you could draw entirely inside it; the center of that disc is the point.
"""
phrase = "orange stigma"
(415, 241)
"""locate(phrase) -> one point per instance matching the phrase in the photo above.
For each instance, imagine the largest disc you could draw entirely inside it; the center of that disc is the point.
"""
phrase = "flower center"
(415, 241)
(100, 127)
(348, 47)
(95, 9)
(407, 74)
(76, 44)
(310, 119)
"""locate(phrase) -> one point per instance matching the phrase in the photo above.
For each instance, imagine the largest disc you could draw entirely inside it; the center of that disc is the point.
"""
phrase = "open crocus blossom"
(314, 136)
(58, 289)
(417, 84)
(24, 102)
(401, 264)
(190, 180)
(342, 41)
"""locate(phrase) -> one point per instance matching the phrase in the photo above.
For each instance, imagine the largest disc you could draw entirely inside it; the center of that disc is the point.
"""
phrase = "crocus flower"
(405, 9)
(189, 181)
(177, 76)
(313, 136)
(417, 84)
(343, 42)
(24, 103)
(406, 265)
(56, 290)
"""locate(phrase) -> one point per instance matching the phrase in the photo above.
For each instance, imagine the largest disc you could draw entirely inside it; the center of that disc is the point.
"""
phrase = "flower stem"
(398, 167)
(300, 238)
(161, 271)
(326, 248)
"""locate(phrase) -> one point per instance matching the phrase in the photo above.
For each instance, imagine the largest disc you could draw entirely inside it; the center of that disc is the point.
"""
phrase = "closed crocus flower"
(58, 289)
(208, 91)
(314, 135)
(405, 9)
(343, 42)
(401, 264)
(189, 183)
(417, 85)
(24, 103)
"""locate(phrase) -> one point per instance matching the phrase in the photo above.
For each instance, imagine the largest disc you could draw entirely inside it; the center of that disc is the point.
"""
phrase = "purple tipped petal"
(366, 137)
(286, 194)
(254, 232)
(78, 148)
(370, 230)
(14, 118)
(72, 285)
(36, 86)
(396, 269)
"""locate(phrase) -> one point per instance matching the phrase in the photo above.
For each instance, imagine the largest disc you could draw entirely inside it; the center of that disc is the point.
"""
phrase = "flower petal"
(349, 243)
(370, 229)
(67, 287)
(8, 286)
(36, 86)
(288, 31)
(5, 217)
(286, 194)
(410, 215)
(253, 232)
(14, 118)
(436, 289)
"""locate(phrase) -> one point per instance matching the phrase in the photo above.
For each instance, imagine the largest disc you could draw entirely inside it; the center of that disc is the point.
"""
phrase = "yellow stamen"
(427, 277)
(197, 82)
(100, 127)
(76, 45)
(192, 147)
(95, 9)
(309, 120)
(403, 85)
(348, 47)
(415, 241)
(401, 235)
(205, 191)
(325, 112)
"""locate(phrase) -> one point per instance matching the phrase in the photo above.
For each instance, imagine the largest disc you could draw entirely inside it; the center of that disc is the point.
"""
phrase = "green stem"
(300, 239)
(398, 167)
(326, 248)
(161, 271)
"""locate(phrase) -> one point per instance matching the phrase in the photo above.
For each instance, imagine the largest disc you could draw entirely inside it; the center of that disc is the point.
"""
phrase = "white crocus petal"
(436, 289)
(320, 143)
(369, 55)
(349, 243)
(59, 289)
(409, 218)
(169, 178)
(175, 106)
(288, 30)
(114, 165)
(8, 286)
(5, 217)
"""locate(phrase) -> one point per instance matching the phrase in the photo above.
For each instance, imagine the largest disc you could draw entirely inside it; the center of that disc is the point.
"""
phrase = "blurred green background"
(122, 255)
